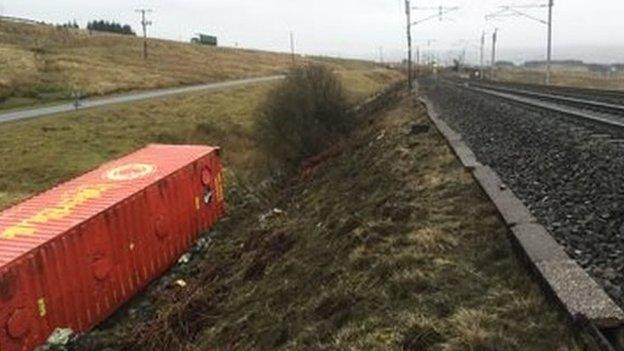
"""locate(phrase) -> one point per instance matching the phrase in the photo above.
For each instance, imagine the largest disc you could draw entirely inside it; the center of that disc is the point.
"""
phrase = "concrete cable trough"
(581, 297)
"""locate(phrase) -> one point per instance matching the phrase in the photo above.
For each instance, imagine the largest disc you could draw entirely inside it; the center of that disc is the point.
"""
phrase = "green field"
(36, 154)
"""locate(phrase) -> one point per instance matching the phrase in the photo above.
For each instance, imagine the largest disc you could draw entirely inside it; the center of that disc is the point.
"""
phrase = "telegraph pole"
(408, 13)
(418, 56)
(144, 23)
(381, 58)
(549, 54)
(494, 38)
(292, 46)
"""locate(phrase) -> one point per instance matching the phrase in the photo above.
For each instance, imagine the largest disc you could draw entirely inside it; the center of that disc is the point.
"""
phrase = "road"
(120, 99)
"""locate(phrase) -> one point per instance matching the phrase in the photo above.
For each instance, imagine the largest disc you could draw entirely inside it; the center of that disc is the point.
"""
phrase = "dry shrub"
(304, 114)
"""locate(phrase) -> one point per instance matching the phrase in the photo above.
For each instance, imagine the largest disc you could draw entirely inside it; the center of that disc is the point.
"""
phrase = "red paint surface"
(71, 256)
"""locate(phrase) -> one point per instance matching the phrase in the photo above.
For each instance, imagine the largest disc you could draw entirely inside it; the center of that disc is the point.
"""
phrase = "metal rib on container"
(71, 256)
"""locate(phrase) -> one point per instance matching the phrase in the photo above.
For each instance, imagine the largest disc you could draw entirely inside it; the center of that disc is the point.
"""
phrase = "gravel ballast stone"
(579, 294)
(571, 180)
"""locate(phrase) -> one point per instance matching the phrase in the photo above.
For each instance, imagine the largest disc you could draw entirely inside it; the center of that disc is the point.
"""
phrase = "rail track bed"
(607, 96)
(569, 170)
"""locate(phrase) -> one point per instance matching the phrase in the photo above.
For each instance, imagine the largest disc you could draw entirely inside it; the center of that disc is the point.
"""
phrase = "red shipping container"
(71, 256)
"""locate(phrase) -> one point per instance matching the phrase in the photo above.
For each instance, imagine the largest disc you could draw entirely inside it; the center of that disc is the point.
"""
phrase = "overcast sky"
(589, 30)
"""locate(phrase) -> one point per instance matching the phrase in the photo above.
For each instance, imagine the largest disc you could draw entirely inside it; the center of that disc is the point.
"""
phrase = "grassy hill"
(42, 63)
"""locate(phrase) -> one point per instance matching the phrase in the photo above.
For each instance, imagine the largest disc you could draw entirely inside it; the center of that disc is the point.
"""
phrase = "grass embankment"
(41, 64)
(36, 154)
(388, 246)
(591, 80)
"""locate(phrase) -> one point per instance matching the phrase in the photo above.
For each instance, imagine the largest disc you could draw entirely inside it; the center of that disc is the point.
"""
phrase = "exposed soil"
(383, 243)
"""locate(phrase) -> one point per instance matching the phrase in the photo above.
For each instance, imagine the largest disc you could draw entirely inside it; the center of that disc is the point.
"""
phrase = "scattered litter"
(381, 135)
(185, 258)
(418, 128)
(202, 244)
(181, 283)
(264, 217)
(58, 340)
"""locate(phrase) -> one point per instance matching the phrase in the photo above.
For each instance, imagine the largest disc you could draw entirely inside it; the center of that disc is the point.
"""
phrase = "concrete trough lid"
(510, 207)
(580, 294)
(570, 284)
(465, 155)
(538, 244)
(564, 279)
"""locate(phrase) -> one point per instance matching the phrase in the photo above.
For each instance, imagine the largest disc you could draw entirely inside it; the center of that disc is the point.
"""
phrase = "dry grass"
(389, 246)
(36, 154)
(42, 63)
(591, 80)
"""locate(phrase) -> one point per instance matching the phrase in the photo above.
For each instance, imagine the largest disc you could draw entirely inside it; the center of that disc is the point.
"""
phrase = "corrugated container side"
(73, 255)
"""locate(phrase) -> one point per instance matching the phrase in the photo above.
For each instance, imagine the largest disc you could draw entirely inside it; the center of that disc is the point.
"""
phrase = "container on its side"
(71, 256)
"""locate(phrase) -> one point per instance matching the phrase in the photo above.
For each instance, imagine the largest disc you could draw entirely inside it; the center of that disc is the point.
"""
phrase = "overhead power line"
(439, 15)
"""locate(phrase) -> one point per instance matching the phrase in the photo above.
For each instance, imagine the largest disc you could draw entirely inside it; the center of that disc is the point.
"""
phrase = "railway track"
(585, 108)
(609, 96)
(562, 156)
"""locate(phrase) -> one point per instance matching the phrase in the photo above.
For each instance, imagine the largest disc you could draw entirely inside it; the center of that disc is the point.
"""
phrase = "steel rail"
(553, 107)
(584, 103)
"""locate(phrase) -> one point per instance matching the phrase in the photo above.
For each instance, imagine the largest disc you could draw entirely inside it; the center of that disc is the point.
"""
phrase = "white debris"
(184, 259)
(59, 338)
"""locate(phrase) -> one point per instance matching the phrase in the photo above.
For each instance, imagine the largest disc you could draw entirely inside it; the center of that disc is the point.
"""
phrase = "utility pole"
(481, 58)
(463, 59)
(408, 13)
(144, 23)
(549, 54)
(516, 10)
(429, 53)
(292, 47)
(418, 56)
(494, 38)
(381, 58)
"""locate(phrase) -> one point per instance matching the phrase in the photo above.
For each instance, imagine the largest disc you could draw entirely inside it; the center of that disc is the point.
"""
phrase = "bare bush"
(304, 114)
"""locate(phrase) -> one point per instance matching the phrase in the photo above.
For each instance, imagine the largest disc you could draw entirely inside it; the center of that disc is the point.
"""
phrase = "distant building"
(204, 39)
(563, 65)
(505, 64)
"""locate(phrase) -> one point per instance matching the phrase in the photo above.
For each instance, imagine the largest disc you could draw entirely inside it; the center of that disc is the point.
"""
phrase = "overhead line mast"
(408, 12)
(494, 39)
(513, 10)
